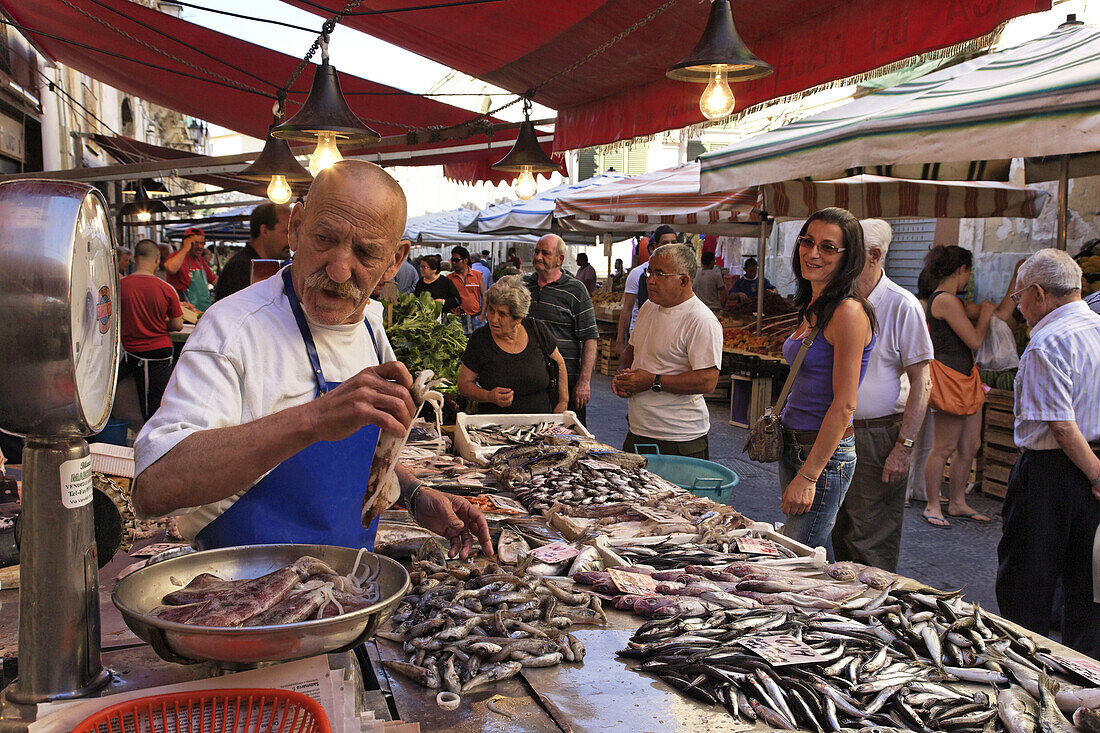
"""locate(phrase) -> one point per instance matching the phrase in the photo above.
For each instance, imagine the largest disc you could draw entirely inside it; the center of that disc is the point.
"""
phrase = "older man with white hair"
(673, 359)
(890, 408)
(1052, 506)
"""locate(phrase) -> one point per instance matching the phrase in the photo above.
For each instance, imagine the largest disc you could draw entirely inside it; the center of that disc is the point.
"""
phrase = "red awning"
(219, 78)
(622, 92)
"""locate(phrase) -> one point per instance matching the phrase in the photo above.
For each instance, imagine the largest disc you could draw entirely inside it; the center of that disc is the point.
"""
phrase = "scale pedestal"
(58, 578)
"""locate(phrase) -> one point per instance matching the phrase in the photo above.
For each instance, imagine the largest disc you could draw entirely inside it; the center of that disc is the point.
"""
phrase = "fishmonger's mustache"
(347, 290)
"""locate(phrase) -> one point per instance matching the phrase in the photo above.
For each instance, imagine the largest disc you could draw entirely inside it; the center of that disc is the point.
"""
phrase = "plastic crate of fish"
(512, 427)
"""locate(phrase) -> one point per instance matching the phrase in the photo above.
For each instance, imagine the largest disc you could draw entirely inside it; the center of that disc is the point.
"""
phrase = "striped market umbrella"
(672, 197)
(967, 121)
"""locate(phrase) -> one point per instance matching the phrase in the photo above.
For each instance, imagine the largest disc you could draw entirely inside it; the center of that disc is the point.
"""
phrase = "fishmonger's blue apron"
(313, 497)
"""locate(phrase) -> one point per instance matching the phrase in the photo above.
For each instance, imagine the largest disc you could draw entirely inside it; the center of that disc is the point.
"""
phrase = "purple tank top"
(812, 391)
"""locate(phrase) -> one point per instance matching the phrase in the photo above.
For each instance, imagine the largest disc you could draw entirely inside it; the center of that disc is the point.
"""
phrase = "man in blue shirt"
(744, 290)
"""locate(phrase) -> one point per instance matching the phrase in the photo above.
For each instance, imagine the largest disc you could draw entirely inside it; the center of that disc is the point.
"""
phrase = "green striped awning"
(960, 123)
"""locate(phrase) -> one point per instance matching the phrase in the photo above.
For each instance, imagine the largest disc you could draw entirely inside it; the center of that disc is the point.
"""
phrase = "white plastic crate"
(473, 452)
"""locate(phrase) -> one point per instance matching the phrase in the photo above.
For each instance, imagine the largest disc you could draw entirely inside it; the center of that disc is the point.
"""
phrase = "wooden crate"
(749, 397)
(999, 451)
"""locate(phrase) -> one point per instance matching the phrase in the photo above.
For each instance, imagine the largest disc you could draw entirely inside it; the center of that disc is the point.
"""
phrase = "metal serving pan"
(141, 591)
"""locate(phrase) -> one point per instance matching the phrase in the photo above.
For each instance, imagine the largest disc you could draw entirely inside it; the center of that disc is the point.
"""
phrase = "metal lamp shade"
(720, 45)
(142, 203)
(526, 153)
(275, 160)
(151, 185)
(325, 110)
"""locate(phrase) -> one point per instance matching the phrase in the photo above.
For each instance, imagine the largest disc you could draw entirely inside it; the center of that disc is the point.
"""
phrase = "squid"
(382, 486)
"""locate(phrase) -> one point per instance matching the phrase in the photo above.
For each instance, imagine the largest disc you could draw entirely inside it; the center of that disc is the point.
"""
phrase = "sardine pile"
(897, 662)
(494, 434)
(586, 485)
(304, 590)
(670, 556)
(464, 625)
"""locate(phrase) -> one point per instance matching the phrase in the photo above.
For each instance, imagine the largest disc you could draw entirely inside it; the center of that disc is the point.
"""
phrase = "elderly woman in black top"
(507, 363)
(439, 287)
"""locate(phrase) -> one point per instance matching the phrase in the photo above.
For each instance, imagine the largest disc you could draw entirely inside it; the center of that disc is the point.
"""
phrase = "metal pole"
(760, 253)
(1063, 203)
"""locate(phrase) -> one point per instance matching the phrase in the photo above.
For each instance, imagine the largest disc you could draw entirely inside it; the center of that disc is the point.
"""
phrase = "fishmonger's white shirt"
(246, 360)
(683, 338)
(902, 340)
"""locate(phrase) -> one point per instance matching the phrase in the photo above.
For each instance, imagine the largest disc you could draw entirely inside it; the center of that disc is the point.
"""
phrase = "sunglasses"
(826, 247)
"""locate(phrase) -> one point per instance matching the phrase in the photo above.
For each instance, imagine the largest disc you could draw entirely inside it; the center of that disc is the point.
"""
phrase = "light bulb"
(144, 216)
(717, 100)
(325, 154)
(279, 190)
(526, 186)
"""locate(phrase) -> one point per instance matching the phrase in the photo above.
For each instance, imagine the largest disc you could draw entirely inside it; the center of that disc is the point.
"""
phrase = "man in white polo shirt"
(673, 359)
(1052, 505)
(890, 408)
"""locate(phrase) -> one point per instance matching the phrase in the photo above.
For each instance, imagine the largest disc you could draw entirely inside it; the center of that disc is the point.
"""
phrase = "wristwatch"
(656, 383)
(1095, 481)
(907, 442)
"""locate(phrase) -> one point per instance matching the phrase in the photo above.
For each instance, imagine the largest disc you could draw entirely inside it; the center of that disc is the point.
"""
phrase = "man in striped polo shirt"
(1052, 507)
(562, 302)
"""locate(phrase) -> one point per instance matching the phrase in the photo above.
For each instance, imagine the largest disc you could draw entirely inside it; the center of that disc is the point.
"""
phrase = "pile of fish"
(577, 476)
(903, 660)
(667, 555)
(306, 589)
(747, 582)
(464, 625)
(491, 434)
(675, 519)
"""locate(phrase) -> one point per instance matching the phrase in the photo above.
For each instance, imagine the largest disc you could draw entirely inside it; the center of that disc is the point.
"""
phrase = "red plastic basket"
(212, 711)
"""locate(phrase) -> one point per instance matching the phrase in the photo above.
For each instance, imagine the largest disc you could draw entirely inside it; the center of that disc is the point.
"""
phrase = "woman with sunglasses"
(958, 328)
(819, 454)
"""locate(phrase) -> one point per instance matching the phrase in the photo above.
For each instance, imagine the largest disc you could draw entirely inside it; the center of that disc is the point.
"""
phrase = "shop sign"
(11, 137)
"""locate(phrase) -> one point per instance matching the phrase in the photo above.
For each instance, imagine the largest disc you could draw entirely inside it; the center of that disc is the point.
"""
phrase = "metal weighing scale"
(59, 337)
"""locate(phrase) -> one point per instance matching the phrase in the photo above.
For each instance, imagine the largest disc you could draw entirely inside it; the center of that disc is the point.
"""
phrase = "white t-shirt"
(902, 340)
(683, 338)
(246, 360)
(633, 284)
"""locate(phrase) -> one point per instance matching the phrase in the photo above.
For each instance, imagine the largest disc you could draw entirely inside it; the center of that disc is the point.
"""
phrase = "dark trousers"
(868, 525)
(698, 448)
(1050, 520)
(151, 371)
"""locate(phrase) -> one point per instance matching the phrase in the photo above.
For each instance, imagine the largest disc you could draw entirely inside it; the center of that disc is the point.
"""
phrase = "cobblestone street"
(963, 557)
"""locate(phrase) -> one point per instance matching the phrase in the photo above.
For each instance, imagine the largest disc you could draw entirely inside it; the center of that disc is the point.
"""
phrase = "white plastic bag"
(998, 351)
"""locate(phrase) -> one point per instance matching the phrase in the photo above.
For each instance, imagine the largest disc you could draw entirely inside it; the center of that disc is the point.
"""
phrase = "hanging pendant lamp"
(326, 118)
(720, 57)
(277, 166)
(143, 207)
(526, 158)
(151, 185)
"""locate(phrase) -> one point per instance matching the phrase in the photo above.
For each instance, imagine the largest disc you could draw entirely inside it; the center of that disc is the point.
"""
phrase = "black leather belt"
(807, 437)
(878, 422)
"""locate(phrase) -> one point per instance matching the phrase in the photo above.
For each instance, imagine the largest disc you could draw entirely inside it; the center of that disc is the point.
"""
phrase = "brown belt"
(807, 437)
(878, 422)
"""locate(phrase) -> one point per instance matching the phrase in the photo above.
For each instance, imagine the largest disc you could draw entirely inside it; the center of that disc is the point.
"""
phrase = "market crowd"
(870, 364)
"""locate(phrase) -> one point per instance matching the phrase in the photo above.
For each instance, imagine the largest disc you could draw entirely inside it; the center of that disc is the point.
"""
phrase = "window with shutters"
(586, 164)
(911, 241)
(695, 148)
(632, 160)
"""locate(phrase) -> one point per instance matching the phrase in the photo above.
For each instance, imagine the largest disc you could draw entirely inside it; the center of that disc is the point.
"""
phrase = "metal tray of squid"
(142, 591)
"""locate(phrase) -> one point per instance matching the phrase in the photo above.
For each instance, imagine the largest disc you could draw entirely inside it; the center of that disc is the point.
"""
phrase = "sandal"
(937, 521)
(972, 516)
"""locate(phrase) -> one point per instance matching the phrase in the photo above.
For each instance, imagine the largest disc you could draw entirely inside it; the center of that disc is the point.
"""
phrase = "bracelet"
(1095, 481)
(410, 499)
(811, 480)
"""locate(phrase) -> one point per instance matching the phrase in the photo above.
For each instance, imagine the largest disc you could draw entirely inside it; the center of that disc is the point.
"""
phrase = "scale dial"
(59, 292)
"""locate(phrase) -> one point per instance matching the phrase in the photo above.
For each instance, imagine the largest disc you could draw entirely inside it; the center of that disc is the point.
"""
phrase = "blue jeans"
(815, 527)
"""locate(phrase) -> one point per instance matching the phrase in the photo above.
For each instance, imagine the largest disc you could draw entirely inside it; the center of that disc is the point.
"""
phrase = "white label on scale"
(76, 482)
